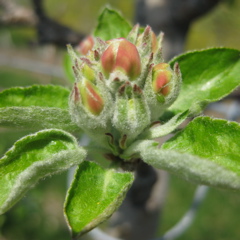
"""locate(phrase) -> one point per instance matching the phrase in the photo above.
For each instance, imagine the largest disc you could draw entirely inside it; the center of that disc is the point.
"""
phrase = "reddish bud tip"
(161, 77)
(91, 98)
(121, 55)
(85, 45)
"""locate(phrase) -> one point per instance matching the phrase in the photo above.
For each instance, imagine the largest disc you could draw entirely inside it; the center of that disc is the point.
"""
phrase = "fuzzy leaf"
(208, 76)
(35, 157)
(207, 151)
(94, 195)
(37, 118)
(111, 25)
(36, 95)
(213, 139)
(166, 128)
(36, 107)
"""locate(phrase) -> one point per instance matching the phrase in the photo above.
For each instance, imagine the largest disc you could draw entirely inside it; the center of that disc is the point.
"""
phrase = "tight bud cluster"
(122, 86)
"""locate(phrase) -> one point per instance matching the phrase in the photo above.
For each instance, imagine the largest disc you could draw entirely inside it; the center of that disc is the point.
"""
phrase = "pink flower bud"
(85, 45)
(121, 55)
(90, 96)
(161, 76)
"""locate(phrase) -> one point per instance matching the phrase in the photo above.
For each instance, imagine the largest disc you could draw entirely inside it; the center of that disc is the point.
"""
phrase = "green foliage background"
(39, 215)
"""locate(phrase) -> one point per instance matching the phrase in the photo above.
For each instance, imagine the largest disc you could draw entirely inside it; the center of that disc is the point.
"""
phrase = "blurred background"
(24, 62)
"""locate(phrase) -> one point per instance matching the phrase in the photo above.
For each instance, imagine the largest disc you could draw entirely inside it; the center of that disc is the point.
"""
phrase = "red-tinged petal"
(94, 100)
(121, 55)
(86, 45)
(91, 98)
(160, 82)
(161, 77)
(165, 90)
(128, 59)
(108, 59)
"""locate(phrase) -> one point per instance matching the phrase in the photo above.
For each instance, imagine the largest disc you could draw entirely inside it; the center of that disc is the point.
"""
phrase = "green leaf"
(67, 66)
(35, 157)
(94, 195)
(207, 151)
(36, 107)
(36, 95)
(213, 139)
(164, 129)
(37, 118)
(111, 25)
(208, 76)
(190, 167)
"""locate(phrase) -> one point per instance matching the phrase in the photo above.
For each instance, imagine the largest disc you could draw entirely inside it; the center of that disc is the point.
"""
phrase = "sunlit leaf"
(36, 95)
(213, 139)
(208, 76)
(36, 107)
(35, 157)
(93, 196)
(207, 152)
(37, 118)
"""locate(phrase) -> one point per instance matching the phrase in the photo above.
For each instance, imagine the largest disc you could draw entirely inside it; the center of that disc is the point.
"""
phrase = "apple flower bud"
(85, 45)
(122, 86)
(162, 88)
(90, 97)
(131, 115)
(121, 55)
(161, 76)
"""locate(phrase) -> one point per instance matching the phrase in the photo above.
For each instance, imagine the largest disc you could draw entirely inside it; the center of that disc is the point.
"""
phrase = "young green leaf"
(36, 107)
(35, 157)
(207, 151)
(213, 139)
(94, 195)
(164, 129)
(208, 76)
(37, 118)
(111, 25)
(36, 95)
